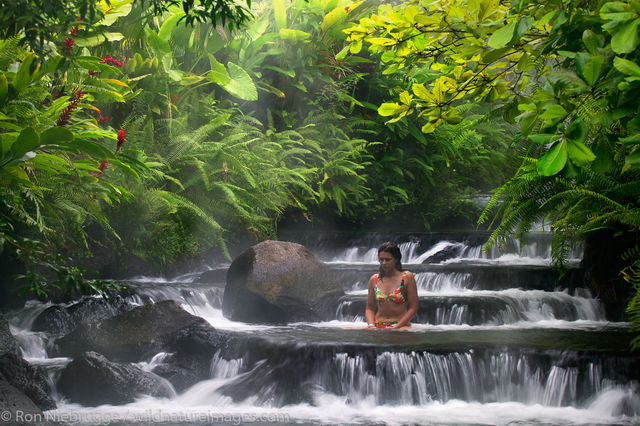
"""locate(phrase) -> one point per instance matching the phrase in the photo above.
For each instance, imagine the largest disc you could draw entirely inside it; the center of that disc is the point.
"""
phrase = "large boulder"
(134, 336)
(137, 335)
(92, 380)
(276, 282)
(59, 319)
(19, 374)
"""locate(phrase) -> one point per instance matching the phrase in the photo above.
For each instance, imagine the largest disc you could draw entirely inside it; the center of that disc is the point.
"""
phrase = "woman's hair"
(392, 249)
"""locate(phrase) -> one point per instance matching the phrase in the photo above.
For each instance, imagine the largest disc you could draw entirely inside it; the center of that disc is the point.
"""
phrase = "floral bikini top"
(397, 296)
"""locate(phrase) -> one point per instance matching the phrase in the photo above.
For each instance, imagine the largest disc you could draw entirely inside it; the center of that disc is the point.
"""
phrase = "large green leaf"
(218, 73)
(27, 140)
(280, 13)
(625, 66)
(589, 67)
(56, 135)
(23, 75)
(579, 153)
(554, 160)
(169, 24)
(97, 39)
(502, 36)
(240, 84)
(625, 39)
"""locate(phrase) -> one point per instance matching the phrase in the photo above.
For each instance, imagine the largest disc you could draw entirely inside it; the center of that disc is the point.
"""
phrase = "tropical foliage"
(566, 72)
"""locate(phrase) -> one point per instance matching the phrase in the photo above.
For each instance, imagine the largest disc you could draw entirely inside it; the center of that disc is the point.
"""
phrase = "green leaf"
(553, 161)
(23, 75)
(293, 35)
(589, 67)
(494, 54)
(542, 138)
(288, 73)
(56, 135)
(95, 64)
(625, 66)
(502, 36)
(388, 108)
(169, 24)
(27, 140)
(578, 130)
(553, 112)
(631, 140)
(523, 26)
(633, 158)
(4, 88)
(591, 41)
(159, 45)
(579, 153)
(343, 53)
(280, 13)
(240, 84)
(97, 39)
(626, 39)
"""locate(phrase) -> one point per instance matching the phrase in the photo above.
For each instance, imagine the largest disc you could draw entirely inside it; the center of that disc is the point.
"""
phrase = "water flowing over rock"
(61, 320)
(276, 282)
(145, 331)
(134, 336)
(19, 377)
(92, 380)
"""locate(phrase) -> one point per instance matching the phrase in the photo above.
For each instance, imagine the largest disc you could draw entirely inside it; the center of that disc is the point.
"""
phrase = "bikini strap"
(404, 275)
(375, 282)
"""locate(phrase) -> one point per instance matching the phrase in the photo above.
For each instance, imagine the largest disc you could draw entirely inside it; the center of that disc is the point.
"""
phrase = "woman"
(393, 296)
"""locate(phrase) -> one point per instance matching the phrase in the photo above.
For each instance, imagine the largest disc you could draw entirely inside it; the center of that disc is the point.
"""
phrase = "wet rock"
(134, 336)
(62, 320)
(276, 282)
(13, 400)
(91, 380)
(19, 374)
(446, 253)
(145, 331)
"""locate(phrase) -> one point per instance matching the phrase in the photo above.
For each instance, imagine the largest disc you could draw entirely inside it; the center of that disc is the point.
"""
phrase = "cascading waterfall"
(499, 338)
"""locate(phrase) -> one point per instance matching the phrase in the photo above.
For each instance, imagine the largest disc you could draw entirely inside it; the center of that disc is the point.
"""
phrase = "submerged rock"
(91, 380)
(276, 282)
(20, 375)
(61, 320)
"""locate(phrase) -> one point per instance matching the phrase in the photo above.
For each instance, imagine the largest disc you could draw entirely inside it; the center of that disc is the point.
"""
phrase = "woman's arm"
(370, 310)
(412, 300)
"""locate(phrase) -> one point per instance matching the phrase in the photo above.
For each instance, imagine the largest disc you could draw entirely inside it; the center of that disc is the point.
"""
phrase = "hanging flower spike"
(65, 115)
(73, 31)
(101, 117)
(67, 45)
(120, 140)
(103, 165)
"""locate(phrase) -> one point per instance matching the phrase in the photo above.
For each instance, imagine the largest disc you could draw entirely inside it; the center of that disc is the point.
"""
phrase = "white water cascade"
(499, 338)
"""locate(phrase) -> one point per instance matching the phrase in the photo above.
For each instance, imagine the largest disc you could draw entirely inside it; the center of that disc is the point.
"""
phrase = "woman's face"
(387, 261)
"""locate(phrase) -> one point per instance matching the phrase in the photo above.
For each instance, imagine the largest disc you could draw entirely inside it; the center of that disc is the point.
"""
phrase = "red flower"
(73, 31)
(113, 61)
(120, 140)
(67, 45)
(103, 165)
(101, 117)
(92, 73)
(65, 115)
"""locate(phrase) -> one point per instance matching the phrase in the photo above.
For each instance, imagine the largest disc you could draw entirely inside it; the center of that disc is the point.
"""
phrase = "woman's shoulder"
(407, 273)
